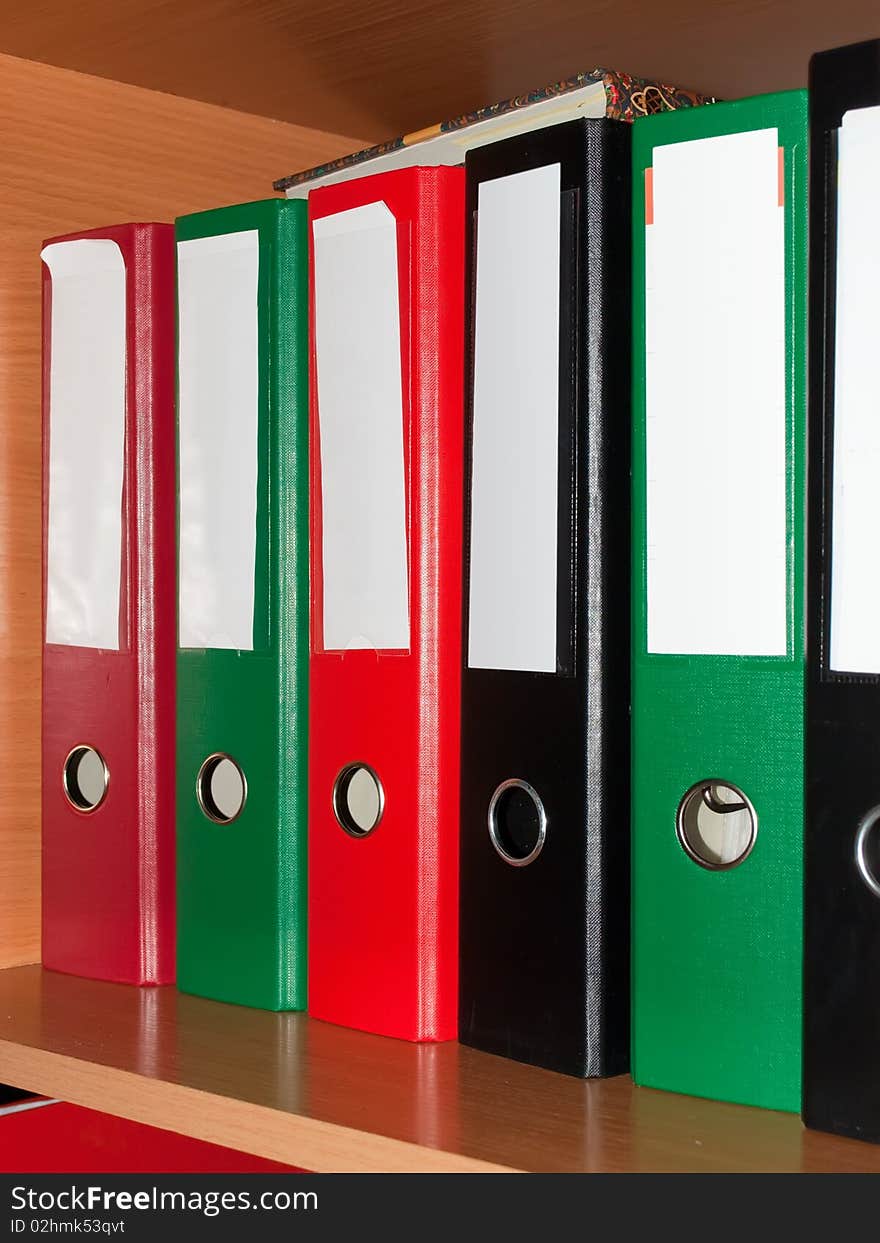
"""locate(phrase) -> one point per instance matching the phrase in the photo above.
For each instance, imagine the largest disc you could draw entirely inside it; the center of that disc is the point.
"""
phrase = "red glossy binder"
(387, 261)
(108, 603)
(53, 1137)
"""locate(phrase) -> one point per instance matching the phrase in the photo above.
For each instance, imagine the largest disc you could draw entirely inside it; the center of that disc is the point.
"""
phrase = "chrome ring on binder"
(342, 809)
(517, 861)
(78, 798)
(704, 793)
(867, 824)
(204, 793)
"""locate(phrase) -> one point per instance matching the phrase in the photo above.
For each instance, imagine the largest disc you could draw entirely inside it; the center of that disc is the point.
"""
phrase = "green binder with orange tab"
(719, 393)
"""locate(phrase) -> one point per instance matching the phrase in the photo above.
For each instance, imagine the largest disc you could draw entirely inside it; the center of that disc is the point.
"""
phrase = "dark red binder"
(109, 603)
(384, 693)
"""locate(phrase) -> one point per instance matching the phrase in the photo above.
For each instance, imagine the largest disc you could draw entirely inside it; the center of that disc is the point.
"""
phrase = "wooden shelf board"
(328, 1099)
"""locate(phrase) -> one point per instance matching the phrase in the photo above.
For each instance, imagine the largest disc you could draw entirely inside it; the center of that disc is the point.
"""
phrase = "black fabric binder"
(841, 1086)
(544, 957)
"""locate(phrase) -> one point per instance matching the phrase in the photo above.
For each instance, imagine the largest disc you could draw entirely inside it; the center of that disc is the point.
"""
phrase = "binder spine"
(383, 904)
(241, 885)
(152, 584)
(561, 998)
(108, 887)
(437, 450)
(603, 609)
(288, 335)
(717, 954)
(841, 1091)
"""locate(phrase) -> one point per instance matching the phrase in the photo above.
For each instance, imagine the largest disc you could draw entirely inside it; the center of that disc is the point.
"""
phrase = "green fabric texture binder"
(243, 599)
(719, 402)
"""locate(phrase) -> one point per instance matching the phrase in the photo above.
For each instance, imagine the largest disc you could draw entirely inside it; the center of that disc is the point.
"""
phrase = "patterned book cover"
(626, 98)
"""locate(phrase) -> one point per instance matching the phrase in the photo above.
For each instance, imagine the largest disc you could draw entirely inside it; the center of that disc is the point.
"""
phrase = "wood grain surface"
(80, 152)
(325, 1098)
(389, 66)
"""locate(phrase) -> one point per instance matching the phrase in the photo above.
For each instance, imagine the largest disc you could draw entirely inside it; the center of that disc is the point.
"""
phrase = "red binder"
(387, 260)
(54, 1137)
(108, 603)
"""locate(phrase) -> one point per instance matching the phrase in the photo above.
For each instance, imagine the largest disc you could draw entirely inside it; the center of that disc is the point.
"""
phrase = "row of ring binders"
(446, 627)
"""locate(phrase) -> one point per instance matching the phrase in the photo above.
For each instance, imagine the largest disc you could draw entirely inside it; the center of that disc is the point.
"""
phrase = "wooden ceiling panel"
(376, 69)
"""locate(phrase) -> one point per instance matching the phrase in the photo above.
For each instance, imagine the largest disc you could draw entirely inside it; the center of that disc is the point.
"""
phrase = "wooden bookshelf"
(290, 1088)
(147, 138)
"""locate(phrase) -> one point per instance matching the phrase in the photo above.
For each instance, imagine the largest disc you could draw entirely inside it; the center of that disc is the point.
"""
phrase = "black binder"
(842, 834)
(544, 956)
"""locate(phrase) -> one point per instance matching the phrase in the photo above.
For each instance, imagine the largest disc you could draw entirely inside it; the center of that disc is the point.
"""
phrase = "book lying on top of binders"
(595, 93)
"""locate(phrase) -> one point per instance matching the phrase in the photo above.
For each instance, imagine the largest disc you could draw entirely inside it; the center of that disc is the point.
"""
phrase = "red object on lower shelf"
(58, 1138)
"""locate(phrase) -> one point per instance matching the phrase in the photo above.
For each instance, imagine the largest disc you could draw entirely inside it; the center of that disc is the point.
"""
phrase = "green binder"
(719, 399)
(242, 661)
